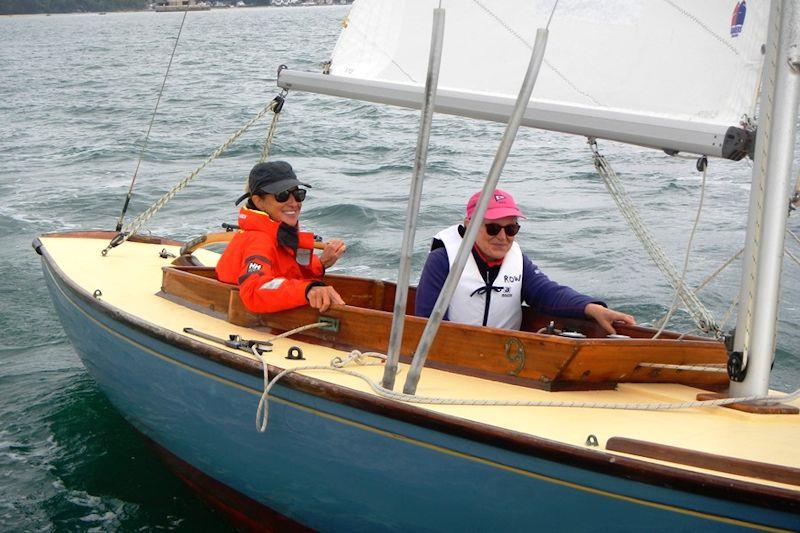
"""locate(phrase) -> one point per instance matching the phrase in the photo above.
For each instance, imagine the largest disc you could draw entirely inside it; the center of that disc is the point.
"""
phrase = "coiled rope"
(338, 363)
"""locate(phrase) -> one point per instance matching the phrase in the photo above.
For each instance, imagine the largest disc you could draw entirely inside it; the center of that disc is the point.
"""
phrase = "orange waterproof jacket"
(273, 264)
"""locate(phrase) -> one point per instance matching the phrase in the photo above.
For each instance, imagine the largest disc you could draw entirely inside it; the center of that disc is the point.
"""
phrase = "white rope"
(792, 257)
(273, 126)
(722, 267)
(337, 365)
(697, 310)
(710, 367)
(729, 313)
(682, 281)
(793, 235)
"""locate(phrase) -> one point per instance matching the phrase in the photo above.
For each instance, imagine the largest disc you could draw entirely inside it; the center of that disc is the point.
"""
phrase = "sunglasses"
(493, 229)
(283, 196)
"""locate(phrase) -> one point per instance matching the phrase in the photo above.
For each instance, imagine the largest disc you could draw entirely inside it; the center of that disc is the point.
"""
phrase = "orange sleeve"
(264, 291)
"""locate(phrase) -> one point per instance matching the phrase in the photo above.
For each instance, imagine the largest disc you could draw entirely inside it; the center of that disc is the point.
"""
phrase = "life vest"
(273, 264)
(472, 295)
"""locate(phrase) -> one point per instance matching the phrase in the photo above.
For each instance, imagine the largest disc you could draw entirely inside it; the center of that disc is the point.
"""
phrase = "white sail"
(674, 74)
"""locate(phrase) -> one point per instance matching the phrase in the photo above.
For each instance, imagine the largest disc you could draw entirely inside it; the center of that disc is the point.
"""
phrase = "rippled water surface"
(76, 96)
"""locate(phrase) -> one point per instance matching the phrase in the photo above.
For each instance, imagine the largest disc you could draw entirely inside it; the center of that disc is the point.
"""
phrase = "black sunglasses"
(299, 195)
(493, 229)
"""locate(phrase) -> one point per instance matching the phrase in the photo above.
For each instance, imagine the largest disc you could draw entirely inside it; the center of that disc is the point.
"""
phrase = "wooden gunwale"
(669, 477)
(708, 461)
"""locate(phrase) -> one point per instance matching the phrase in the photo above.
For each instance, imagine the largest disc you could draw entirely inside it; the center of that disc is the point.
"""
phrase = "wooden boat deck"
(130, 279)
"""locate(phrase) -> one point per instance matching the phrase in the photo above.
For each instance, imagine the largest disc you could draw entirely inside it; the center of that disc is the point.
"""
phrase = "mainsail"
(671, 74)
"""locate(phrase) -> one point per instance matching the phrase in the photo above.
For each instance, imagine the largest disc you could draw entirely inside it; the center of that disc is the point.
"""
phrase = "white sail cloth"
(681, 59)
(669, 74)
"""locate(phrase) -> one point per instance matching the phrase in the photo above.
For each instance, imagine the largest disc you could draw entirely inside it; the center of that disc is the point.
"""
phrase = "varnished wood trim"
(102, 234)
(772, 409)
(709, 461)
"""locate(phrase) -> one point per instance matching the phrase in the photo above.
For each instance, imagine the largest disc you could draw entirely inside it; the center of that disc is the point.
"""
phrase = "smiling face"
(494, 248)
(287, 212)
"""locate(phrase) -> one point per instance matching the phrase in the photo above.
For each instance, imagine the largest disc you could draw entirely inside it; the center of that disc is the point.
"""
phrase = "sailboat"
(555, 426)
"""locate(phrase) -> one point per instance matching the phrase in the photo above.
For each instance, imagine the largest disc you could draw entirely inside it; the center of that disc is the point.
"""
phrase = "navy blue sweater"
(538, 291)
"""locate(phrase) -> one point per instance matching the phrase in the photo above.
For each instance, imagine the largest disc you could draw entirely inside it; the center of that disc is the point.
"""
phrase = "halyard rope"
(682, 282)
(273, 125)
(337, 365)
(133, 227)
(701, 315)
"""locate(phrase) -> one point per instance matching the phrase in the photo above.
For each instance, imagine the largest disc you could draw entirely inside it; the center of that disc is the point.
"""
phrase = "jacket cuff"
(312, 285)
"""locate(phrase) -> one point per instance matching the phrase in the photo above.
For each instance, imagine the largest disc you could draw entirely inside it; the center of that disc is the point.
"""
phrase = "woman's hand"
(333, 250)
(322, 297)
(606, 317)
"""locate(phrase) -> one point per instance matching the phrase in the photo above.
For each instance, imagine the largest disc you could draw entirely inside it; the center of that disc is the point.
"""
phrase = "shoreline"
(212, 8)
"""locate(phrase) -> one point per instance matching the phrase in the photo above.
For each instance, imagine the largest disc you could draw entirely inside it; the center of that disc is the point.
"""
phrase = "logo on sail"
(737, 20)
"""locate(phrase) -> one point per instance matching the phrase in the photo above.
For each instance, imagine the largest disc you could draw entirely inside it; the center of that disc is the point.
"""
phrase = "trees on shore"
(15, 7)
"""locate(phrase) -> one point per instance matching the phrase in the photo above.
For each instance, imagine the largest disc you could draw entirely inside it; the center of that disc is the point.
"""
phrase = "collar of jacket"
(289, 236)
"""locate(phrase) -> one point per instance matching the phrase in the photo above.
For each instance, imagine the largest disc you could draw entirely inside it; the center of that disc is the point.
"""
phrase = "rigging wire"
(152, 119)
(722, 267)
(552, 14)
(793, 235)
(792, 257)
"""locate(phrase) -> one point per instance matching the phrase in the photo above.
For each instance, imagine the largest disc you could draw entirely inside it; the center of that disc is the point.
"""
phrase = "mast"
(754, 344)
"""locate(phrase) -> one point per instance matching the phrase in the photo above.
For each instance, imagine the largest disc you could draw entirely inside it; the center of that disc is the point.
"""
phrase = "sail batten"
(682, 64)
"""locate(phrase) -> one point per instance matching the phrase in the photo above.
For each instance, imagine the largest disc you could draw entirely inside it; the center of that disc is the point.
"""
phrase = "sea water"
(76, 97)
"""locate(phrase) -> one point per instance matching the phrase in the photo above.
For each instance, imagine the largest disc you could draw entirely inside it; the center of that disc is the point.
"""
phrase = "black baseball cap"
(271, 177)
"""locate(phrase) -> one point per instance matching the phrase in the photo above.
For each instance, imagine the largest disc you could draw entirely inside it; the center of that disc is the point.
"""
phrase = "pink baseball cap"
(501, 205)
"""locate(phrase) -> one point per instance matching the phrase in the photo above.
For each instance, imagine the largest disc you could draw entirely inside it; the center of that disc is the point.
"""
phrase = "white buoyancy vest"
(468, 305)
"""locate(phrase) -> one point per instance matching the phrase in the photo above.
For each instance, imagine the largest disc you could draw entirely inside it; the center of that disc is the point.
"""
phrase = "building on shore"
(180, 5)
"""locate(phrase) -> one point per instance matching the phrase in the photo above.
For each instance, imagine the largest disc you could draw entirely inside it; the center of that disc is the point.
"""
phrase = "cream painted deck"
(130, 276)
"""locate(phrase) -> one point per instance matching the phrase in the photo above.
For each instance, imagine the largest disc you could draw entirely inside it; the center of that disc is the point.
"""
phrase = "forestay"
(671, 74)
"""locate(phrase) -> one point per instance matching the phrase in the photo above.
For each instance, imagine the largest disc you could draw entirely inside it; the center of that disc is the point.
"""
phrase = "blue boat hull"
(335, 466)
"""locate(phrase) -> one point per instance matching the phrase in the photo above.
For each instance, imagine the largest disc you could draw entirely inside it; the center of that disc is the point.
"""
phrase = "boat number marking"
(515, 353)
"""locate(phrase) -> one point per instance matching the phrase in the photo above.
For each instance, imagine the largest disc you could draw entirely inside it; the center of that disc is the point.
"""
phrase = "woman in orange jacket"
(271, 260)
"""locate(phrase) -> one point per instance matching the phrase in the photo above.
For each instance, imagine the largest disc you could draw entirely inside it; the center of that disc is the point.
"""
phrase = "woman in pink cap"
(498, 277)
